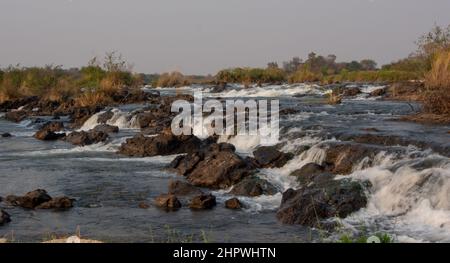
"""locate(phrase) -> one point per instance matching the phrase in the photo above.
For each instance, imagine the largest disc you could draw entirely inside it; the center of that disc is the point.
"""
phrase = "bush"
(173, 79)
(305, 75)
(437, 82)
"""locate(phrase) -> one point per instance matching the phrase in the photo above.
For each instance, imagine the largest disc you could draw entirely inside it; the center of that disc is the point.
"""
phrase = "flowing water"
(410, 197)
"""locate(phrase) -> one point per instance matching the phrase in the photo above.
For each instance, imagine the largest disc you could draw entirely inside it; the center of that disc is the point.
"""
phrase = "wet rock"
(105, 117)
(57, 203)
(203, 202)
(234, 204)
(180, 188)
(215, 166)
(341, 157)
(163, 144)
(30, 200)
(307, 171)
(79, 115)
(378, 93)
(45, 135)
(370, 129)
(270, 157)
(106, 128)
(167, 201)
(253, 186)
(312, 204)
(351, 92)
(6, 135)
(18, 103)
(16, 116)
(4, 217)
(84, 138)
(144, 205)
(54, 126)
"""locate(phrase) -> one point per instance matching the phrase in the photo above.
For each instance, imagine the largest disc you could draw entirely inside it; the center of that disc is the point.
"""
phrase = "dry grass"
(91, 98)
(436, 97)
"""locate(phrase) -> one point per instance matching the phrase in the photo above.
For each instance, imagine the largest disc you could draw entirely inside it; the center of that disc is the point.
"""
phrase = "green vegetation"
(383, 237)
(271, 74)
(94, 83)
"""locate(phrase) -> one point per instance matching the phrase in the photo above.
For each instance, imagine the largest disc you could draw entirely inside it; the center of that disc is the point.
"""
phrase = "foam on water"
(123, 120)
(271, 91)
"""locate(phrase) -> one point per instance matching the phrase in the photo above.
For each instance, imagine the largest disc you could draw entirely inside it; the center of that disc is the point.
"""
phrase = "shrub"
(92, 97)
(437, 82)
(305, 75)
(173, 79)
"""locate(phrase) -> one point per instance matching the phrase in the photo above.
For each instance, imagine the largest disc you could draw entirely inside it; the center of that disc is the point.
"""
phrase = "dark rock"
(253, 186)
(83, 138)
(341, 157)
(54, 126)
(378, 92)
(270, 157)
(144, 205)
(163, 144)
(233, 203)
(167, 201)
(57, 203)
(105, 117)
(4, 217)
(6, 135)
(45, 135)
(18, 103)
(351, 92)
(79, 115)
(180, 188)
(105, 128)
(30, 200)
(307, 171)
(215, 166)
(203, 202)
(312, 204)
(16, 116)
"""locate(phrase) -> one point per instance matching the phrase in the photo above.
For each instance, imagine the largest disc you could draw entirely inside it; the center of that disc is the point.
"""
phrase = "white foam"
(123, 120)
(271, 91)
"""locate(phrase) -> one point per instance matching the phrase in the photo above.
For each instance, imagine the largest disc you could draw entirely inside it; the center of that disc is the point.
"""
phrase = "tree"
(431, 43)
(368, 64)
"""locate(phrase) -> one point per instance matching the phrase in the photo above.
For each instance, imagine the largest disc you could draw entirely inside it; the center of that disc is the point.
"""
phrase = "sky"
(204, 36)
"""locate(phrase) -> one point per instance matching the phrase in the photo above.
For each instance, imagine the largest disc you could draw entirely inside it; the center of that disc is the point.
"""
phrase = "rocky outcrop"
(342, 157)
(308, 172)
(378, 92)
(311, 204)
(216, 166)
(253, 186)
(203, 202)
(6, 135)
(233, 204)
(17, 103)
(39, 199)
(79, 115)
(106, 128)
(16, 116)
(48, 132)
(180, 188)
(270, 157)
(83, 138)
(167, 201)
(4, 217)
(163, 144)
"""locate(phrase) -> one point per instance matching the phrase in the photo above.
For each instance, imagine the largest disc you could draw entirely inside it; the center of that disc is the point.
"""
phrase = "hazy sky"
(203, 36)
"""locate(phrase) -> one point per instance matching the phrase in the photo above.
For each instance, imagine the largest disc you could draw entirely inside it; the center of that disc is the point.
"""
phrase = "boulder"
(18, 103)
(30, 200)
(57, 203)
(180, 188)
(270, 157)
(253, 186)
(16, 116)
(167, 201)
(103, 118)
(83, 138)
(4, 217)
(233, 203)
(341, 157)
(54, 126)
(203, 202)
(351, 91)
(215, 166)
(79, 115)
(144, 205)
(308, 172)
(163, 144)
(311, 204)
(46, 135)
(6, 135)
(106, 128)
(378, 92)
